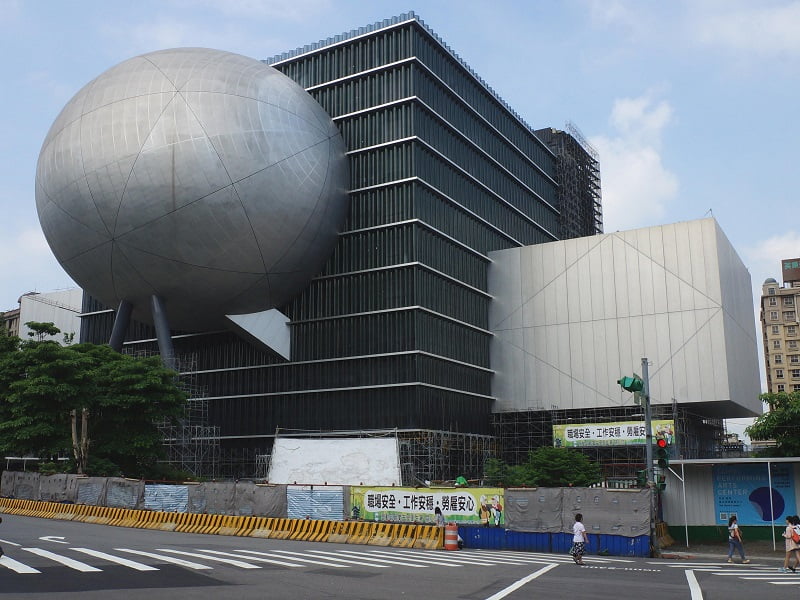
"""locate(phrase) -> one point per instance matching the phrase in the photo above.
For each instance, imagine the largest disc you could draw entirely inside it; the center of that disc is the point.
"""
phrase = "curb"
(350, 532)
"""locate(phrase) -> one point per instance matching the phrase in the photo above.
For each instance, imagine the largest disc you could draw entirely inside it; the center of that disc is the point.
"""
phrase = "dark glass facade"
(394, 332)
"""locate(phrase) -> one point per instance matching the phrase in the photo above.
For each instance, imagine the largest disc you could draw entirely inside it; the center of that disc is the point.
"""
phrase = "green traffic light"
(631, 384)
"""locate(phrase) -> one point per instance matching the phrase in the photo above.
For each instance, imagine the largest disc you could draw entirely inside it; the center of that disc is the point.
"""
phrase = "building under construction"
(695, 436)
(398, 332)
(578, 175)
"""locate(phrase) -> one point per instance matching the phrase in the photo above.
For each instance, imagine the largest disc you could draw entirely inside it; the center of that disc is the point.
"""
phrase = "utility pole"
(648, 424)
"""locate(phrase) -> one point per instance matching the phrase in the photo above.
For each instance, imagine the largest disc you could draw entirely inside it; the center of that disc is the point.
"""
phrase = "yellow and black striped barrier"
(349, 532)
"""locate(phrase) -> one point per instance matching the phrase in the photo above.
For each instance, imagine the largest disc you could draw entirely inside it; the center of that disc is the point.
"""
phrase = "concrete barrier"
(349, 532)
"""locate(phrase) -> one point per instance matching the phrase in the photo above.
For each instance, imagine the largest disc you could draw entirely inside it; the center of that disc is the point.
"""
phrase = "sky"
(692, 105)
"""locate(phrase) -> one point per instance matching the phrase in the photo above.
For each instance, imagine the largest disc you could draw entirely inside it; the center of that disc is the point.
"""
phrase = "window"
(771, 291)
(795, 359)
(776, 330)
(792, 344)
(773, 302)
(788, 300)
(795, 373)
(776, 344)
(791, 330)
(778, 359)
(789, 315)
(773, 315)
(796, 387)
(778, 373)
(781, 387)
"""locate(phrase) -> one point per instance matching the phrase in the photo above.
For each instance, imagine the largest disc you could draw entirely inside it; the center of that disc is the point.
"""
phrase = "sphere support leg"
(121, 322)
(162, 333)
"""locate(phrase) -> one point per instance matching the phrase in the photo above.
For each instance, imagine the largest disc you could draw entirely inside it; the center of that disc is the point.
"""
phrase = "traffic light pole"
(648, 442)
(651, 478)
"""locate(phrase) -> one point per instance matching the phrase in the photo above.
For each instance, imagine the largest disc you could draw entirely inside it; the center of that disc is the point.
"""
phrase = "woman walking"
(735, 540)
(579, 540)
(792, 547)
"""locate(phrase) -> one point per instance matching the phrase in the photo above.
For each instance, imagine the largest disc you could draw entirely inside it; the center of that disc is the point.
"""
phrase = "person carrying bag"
(735, 540)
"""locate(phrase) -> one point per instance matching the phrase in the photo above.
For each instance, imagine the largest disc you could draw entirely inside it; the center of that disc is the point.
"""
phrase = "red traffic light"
(661, 443)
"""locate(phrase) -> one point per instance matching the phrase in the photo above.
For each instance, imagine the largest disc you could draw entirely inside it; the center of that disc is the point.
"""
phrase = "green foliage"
(545, 467)
(41, 330)
(41, 382)
(495, 472)
(781, 423)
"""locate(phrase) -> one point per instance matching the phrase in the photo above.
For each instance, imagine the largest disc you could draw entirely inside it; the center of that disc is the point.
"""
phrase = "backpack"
(796, 534)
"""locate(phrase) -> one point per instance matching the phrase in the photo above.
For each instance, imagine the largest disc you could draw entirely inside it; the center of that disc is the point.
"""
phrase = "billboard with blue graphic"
(744, 491)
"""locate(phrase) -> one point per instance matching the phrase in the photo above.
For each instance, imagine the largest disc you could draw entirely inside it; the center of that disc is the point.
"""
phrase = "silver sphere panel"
(207, 178)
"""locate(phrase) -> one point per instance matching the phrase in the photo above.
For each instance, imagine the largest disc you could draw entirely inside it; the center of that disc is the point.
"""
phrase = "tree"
(781, 423)
(51, 395)
(545, 467)
(42, 330)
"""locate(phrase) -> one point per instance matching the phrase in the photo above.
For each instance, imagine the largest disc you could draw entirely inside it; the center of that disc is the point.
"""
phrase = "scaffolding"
(190, 444)
(578, 177)
(520, 432)
(442, 456)
(426, 456)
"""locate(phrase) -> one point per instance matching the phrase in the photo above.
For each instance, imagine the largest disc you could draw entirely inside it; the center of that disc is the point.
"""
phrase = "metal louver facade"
(393, 333)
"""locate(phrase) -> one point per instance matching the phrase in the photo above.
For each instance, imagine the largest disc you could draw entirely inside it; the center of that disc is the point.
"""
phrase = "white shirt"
(577, 532)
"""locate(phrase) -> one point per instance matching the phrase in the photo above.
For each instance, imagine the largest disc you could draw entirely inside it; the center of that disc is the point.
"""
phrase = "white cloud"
(636, 185)
(749, 29)
(763, 259)
(39, 271)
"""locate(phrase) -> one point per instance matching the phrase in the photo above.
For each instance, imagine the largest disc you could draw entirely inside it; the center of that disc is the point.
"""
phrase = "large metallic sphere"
(207, 178)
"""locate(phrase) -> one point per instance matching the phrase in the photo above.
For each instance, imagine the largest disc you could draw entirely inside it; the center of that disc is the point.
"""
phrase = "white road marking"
(58, 539)
(518, 584)
(9, 543)
(17, 566)
(425, 560)
(168, 559)
(64, 560)
(694, 587)
(381, 560)
(471, 559)
(550, 557)
(334, 556)
(227, 561)
(264, 560)
(116, 559)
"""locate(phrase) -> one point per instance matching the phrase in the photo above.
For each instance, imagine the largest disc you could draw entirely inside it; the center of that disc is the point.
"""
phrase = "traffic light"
(662, 452)
(631, 384)
(641, 478)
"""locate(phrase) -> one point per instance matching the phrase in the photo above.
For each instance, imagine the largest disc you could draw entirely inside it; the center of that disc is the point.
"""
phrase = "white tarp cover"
(167, 498)
(311, 502)
(341, 461)
(92, 491)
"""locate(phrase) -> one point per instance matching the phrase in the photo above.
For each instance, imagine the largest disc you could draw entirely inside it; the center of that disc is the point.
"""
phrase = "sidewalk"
(757, 549)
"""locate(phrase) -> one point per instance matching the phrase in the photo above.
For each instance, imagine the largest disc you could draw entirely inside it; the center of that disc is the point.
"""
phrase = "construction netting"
(553, 510)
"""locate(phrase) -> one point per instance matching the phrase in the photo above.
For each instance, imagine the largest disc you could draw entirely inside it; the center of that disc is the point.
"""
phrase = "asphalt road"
(60, 559)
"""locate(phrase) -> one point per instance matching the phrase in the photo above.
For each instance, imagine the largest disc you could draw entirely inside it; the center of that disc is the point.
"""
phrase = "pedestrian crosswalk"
(751, 572)
(32, 560)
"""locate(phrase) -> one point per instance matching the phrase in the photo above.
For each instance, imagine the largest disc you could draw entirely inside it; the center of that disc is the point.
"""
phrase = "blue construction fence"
(497, 538)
